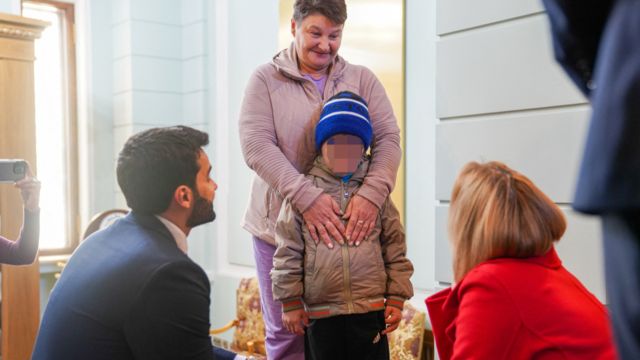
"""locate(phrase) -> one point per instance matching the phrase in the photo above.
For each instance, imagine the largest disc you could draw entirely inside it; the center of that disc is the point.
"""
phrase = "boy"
(347, 291)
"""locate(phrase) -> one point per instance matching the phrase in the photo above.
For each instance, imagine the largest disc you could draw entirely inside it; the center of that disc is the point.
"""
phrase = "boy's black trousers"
(343, 337)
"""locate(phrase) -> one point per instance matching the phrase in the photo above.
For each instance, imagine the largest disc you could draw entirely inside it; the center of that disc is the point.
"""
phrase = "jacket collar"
(286, 62)
(443, 306)
(550, 259)
(321, 170)
(178, 236)
(151, 223)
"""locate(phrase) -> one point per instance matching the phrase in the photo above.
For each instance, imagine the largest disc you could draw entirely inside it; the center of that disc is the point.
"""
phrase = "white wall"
(420, 152)
(159, 64)
(99, 89)
(241, 40)
(500, 96)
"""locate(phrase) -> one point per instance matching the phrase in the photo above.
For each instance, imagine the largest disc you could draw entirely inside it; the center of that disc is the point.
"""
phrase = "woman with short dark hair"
(512, 299)
(280, 109)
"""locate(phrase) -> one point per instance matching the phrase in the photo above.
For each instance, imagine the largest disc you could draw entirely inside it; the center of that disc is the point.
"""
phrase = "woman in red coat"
(512, 299)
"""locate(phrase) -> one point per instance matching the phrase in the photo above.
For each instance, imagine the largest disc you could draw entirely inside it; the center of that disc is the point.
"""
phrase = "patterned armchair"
(248, 337)
(411, 341)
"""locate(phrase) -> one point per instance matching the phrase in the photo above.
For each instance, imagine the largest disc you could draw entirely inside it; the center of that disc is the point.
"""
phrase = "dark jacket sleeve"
(170, 317)
(577, 26)
(22, 251)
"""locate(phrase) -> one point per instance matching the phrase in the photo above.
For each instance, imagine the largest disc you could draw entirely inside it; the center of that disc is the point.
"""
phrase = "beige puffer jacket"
(277, 120)
(345, 279)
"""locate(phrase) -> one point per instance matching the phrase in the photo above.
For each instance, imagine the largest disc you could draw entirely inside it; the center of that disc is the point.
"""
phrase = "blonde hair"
(498, 212)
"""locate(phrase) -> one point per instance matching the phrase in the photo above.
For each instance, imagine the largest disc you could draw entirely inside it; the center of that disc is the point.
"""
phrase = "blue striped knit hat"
(344, 113)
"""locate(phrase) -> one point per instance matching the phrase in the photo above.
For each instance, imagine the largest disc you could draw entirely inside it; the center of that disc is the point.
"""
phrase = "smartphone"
(12, 170)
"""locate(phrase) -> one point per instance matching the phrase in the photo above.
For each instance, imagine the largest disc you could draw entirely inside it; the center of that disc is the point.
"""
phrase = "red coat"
(520, 309)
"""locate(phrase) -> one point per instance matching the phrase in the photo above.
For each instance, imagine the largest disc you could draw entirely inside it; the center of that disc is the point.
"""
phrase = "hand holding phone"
(30, 191)
(12, 170)
(18, 172)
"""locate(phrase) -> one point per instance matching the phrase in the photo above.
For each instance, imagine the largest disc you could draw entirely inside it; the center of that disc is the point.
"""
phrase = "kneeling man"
(130, 291)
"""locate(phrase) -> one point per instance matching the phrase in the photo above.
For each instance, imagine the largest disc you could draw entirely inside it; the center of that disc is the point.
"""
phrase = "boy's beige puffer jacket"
(345, 279)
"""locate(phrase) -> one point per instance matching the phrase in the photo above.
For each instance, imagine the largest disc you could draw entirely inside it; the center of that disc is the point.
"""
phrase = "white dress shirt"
(178, 235)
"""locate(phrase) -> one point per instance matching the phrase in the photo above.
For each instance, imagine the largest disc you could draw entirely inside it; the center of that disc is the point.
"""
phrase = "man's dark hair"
(334, 10)
(153, 163)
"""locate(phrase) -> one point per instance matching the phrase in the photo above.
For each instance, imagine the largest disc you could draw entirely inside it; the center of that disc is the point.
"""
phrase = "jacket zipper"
(316, 93)
(345, 255)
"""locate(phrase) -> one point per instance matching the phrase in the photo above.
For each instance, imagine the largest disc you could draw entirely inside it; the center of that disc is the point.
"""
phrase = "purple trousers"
(280, 343)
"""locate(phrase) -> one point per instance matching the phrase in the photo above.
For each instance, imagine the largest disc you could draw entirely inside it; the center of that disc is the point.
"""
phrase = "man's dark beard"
(202, 212)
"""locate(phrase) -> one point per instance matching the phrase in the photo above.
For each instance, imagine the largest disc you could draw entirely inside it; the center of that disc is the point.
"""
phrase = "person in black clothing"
(598, 44)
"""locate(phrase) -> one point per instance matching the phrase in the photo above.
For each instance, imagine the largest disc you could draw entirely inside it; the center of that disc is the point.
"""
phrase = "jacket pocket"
(310, 250)
(325, 283)
(377, 246)
(380, 262)
(310, 253)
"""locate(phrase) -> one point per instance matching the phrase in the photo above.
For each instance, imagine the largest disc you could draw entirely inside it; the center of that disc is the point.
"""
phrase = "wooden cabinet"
(20, 284)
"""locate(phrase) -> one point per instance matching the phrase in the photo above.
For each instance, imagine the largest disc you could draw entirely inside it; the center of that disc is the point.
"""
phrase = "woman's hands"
(30, 191)
(295, 321)
(323, 221)
(362, 215)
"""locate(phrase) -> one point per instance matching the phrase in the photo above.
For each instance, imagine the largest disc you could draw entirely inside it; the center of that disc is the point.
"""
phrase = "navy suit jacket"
(597, 43)
(128, 292)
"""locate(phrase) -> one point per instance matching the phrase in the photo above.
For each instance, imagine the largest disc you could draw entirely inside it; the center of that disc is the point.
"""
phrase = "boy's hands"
(362, 215)
(295, 321)
(392, 317)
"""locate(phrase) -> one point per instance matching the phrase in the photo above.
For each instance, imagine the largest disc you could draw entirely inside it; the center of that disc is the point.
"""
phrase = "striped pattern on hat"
(344, 113)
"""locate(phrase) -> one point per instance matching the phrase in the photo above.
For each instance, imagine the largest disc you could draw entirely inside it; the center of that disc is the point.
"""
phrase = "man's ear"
(183, 196)
(293, 27)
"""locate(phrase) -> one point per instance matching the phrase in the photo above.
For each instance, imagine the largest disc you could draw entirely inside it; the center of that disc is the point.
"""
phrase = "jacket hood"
(286, 62)
(320, 169)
